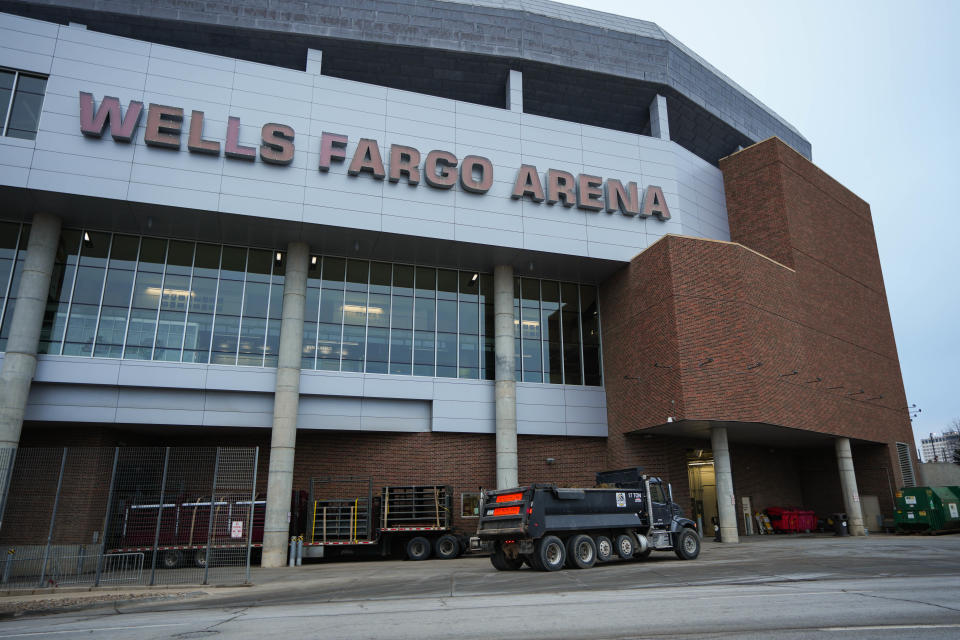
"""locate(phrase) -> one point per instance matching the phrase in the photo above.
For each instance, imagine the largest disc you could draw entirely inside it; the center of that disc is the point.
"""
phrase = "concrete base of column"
(848, 484)
(726, 503)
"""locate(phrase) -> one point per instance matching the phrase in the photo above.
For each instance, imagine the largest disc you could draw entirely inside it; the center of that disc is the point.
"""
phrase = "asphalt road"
(879, 587)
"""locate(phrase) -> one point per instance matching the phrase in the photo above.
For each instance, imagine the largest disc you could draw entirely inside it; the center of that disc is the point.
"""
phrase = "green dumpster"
(928, 509)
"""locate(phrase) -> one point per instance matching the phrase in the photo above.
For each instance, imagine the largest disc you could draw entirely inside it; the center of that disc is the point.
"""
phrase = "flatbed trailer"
(347, 518)
(548, 527)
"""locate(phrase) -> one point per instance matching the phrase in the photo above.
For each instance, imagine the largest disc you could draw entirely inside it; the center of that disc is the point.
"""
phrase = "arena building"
(477, 243)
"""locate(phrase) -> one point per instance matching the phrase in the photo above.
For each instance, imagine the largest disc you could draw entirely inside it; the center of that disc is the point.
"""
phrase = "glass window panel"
(333, 272)
(447, 316)
(469, 286)
(313, 271)
(259, 265)
(469, 318)
(486, 300)
(196, 339)
(116, 293)
(176, 293)
(571, 364)
(17, 274)
(5, 328)
(203, 294)
(553, 362)
(550, 322)
(532, 357)
(426, 282)
(550, 292)
(207, 260)
(113, 325)
(401, 351)
(517, 360)
(229, 297)
(89, 285)
(424, 345)
(273, 343)
(357, 274)
(532, 376)
(328, 346)
(377, 350)
(276, 298)
(403, 280)
(590, 315)
(61, 285)
(6, 89)
(354, 339)
(123, 254)
(379, 310)
(153, 253)
(309, 353)
(516, 319)
(355, 308)
(54, 322)
(489, 362)
(27, 105)
(469, 356)
(446, 284)
(9, 233)
(279, 265)
(530, 289)
(226, 330)
(233, 263)
(253, 332)
(591, 365)
(530, 324)
(95, 248)
(255, 300)
(179, 257)
(379, 277)
(447, 355)
(331, 307)
(140, 333)
(403, 312)
(426, 314)
(311, 305)
(169, 336)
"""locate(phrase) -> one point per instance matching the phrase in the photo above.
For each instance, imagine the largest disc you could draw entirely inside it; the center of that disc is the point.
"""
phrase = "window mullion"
(106, 272)
(186, 315)
(13, 93)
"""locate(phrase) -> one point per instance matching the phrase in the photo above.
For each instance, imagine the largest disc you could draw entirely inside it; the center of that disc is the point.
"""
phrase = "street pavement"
(780, 587)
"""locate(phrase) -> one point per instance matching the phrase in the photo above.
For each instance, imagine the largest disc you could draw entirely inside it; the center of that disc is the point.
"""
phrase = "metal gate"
(129, 516)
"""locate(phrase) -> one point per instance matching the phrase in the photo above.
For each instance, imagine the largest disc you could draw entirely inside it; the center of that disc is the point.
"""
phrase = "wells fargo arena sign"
(438, 169)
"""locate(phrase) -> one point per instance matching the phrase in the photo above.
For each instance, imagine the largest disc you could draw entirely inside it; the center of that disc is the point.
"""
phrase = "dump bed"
(531, 511)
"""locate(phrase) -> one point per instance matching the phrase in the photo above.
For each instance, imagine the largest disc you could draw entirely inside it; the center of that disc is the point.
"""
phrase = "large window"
(142, 298)
(21, 100)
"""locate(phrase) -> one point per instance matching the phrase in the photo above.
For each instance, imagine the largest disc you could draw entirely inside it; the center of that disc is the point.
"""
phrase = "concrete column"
(659, 125)
(506, 386)
(515, 91)
(20, 361)
(286, 403)
(726, 503)
(848, 484)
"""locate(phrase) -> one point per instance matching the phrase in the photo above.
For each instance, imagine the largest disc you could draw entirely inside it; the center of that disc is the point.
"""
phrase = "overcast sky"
(875, 87)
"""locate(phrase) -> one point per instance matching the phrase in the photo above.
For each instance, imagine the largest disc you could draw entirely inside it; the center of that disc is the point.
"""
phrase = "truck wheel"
(581, 552)
(171, 559)
(688, 545)
(551, 554)
(532, 562)
(447, 547)
(501, 562)
(200, 558)
(418, 548)
(625, 546)
(604, 548)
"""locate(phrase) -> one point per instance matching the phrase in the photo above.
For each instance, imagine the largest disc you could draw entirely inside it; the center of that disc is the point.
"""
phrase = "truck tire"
(551, 554)
(200, 558)
(688, 545)
(171, 559)
(532, 562)
(418, 548)
(447, 547)
(581, 552)
(501, 562)
(625, 546)
(604, 548)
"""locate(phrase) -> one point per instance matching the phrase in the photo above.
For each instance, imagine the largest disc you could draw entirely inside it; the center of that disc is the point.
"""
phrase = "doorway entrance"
(703, 488)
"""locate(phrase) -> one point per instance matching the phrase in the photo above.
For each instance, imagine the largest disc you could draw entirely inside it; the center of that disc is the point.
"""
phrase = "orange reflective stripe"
(506, 511)
(510, 497)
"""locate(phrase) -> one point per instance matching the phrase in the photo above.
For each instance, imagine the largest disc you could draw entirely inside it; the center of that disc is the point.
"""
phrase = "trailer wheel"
(200, 558)
(418, 548)
(688, 545)
(447, 547)
(501, 562)
(581, 552)
(625, 546)
(170, 559)
(604, 548)
(551, 554)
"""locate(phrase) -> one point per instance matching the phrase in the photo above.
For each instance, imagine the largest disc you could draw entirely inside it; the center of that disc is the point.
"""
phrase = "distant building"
(939, 447)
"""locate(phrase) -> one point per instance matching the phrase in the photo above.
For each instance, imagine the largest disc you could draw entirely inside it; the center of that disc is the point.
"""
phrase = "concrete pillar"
(506, 385)
(286, 402)
(20, 361)
(848, 484)
(726, 503)
(659, 125)
(515, 91)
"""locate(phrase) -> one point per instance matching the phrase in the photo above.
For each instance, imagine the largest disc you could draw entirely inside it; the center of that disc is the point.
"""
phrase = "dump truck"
(927, 509)
(549, 527)
(347, 518)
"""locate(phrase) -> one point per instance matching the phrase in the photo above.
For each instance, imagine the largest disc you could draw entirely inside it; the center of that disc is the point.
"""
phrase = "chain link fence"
(128, 516)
